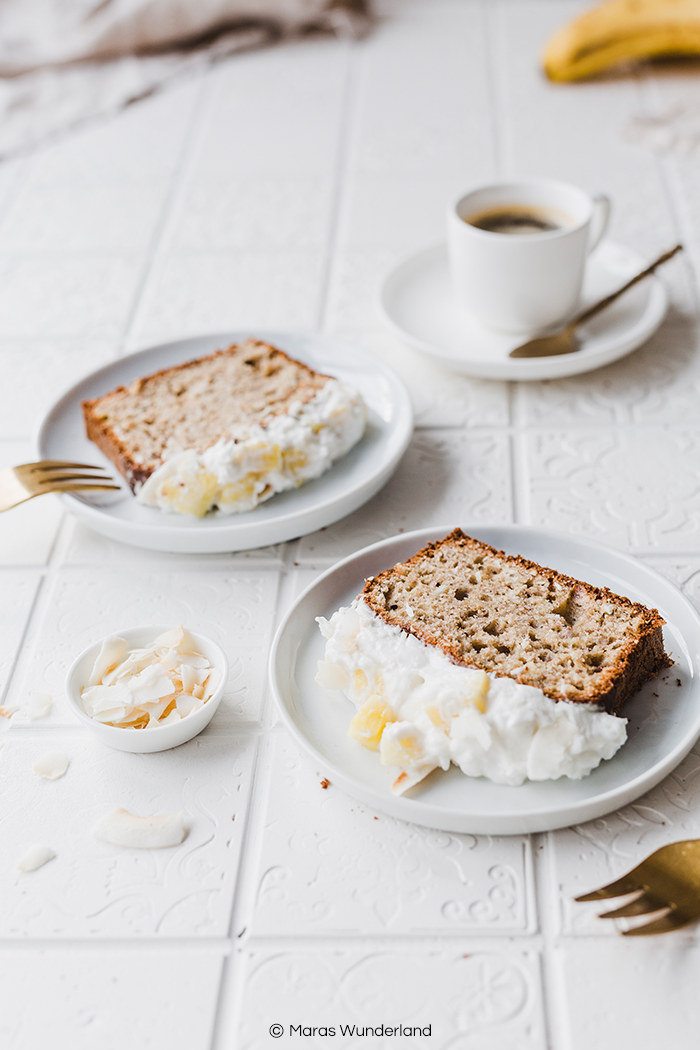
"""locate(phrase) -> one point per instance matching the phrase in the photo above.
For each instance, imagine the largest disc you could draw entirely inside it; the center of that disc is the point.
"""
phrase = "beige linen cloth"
(65, 61)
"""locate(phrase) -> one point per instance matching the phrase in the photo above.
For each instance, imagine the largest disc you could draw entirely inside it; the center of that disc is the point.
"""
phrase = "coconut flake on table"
(156, 685)
(52, 766)
(121, 828)
(35, 857)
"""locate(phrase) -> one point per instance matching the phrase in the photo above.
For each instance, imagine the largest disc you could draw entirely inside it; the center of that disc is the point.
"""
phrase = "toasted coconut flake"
(405, 781)
(177, 638)
(7, 712)
(212, 683)
(52, 766)
(144, 688)
(192, 677)
(186, 705)
(39, 705)
(172, 717)
(111, 653)
(35, 857)
(121, 828)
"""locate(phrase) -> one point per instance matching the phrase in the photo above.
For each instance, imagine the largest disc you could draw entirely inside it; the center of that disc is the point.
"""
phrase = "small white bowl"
(155, 738)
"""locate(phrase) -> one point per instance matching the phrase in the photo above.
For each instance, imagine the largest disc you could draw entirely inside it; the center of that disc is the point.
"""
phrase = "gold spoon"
(565, 341)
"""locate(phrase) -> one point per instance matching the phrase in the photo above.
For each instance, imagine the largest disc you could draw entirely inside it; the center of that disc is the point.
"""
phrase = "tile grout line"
(284, 582)
(48, 574)
(349, 118)
(554, 986)
(228, 1012)
(675, 197)
(227, 1017)
(20, 645)
(178, 182)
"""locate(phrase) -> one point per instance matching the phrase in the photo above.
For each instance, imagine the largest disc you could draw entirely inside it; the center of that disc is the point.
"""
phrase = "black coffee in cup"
(519, 219)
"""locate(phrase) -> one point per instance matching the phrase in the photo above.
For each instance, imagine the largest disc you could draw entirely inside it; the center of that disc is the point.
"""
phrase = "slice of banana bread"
(194, 405)
(510, 616)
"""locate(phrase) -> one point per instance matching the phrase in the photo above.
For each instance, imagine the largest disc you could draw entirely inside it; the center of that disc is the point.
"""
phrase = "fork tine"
(627, 884)
(671, 921)
(50, 478)
(59, 464)
(644, 904)
(57, 487)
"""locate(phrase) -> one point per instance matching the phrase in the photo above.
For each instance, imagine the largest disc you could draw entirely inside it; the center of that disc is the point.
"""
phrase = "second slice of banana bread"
(508, 615)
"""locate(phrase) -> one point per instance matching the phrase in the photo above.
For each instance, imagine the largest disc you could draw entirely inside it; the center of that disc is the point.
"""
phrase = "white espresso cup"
(518, 281)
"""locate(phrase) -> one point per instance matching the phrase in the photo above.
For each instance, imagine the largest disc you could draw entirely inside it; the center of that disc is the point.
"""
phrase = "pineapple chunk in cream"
(423, 712)
(236, 475)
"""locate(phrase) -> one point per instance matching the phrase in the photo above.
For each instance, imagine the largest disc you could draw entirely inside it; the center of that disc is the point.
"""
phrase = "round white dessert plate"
(664, 718)
(349, 483)
(417, 303)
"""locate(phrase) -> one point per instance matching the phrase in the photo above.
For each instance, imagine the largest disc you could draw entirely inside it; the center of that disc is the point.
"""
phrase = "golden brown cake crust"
(508, 615)
(195, 404)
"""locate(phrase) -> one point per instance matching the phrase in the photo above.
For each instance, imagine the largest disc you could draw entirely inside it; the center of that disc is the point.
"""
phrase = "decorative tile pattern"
(253, 213)
(446, 477)
(332, 865)
(276, 190)
(85, 547)
(659, 383)
(594, 854)
(205, 292)
(635, 488)
(36, 370)
(19, 591)
(85, 998)
(103, 217)
(76, 296)
(236, 609)
(440, 398)
(480, 997)
(652, 981)
(143, 144)
(684, 572)
(92, 889)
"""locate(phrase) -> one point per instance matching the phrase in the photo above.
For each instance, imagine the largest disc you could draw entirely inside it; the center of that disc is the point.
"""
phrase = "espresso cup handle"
(599, 220)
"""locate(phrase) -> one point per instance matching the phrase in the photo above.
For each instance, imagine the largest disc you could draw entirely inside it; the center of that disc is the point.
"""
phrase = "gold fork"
(668, 880)
(18, 484)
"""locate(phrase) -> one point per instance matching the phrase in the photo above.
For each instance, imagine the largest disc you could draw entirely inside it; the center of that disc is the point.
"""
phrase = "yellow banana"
(622, 31)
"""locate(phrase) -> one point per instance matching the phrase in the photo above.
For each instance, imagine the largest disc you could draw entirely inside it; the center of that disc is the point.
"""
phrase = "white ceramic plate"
(417, 303)
(664, 719)
(346, 486)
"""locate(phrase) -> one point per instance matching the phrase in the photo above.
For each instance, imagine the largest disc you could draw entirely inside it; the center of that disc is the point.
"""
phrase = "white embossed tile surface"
(81, 999)
(331, 865)
(277, 188)
(443, 996)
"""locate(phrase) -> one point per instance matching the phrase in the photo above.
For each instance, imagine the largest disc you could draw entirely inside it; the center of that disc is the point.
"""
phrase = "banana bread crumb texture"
(510, 616)
(194, 405)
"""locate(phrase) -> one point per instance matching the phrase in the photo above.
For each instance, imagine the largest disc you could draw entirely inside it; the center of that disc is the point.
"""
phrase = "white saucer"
(417, 303)
(346, 486)
(664, 719)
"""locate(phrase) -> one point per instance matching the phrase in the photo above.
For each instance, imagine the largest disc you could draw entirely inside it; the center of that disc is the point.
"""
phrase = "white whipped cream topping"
(422, 711)
(236, 475)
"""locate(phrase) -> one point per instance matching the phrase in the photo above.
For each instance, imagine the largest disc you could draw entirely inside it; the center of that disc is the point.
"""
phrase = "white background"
(276, 190)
